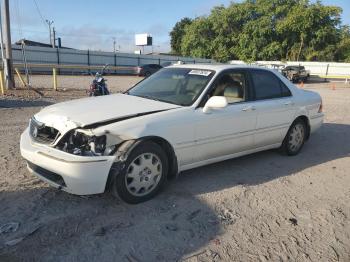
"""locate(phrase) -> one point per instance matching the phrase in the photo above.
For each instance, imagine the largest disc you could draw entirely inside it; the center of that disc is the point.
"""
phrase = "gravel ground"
(261, 207)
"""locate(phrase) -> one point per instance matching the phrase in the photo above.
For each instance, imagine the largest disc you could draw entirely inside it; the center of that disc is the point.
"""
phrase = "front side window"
(232, 85)
(180, 86)
(267, 85)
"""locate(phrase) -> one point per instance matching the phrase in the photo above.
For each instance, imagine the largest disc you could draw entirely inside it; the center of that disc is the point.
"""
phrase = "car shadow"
(17, 103)
(56, 226)
(331, 142)
(316, 79)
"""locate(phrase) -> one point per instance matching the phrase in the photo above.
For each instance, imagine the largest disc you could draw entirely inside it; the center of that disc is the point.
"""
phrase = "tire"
(295, 138)
(148, 74)
(143, 175)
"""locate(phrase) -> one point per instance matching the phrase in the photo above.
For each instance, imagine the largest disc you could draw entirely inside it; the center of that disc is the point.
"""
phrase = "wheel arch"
(169, 151)
(124, 149)
(306, 121)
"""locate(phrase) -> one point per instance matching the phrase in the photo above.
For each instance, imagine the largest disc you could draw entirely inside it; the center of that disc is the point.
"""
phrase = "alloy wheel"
(143, 174)
(296, 138)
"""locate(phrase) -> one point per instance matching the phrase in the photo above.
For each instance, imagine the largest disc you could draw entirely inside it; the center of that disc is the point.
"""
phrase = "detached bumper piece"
(51, 176)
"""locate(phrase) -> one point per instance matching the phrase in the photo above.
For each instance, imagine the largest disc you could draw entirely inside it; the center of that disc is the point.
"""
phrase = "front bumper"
(79, 175)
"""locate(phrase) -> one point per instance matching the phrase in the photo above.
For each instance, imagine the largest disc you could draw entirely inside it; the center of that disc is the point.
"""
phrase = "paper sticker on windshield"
(200, 72)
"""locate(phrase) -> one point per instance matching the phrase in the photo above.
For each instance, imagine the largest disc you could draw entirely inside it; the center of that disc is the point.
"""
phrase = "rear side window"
(267, 85)
(285, 90)
(154, 66)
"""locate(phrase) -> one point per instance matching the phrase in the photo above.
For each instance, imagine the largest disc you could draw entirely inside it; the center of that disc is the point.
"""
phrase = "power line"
(45, 22)
(66, 34)
(38, 9)
(18, 18)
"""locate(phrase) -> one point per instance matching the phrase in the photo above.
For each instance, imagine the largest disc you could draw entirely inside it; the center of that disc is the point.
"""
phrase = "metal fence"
(320, 69)
(86, 58)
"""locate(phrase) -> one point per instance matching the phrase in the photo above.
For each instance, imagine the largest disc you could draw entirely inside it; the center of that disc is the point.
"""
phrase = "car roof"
(216, 67)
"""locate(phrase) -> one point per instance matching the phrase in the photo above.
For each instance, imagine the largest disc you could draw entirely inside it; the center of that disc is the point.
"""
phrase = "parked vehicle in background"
(296, 73)
(147, 70)
(181, 117)
(165, 64)
(98, 87)
(277, 67)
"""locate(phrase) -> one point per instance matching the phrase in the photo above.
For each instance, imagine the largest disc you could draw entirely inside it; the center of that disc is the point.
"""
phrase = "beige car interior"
(230, 86)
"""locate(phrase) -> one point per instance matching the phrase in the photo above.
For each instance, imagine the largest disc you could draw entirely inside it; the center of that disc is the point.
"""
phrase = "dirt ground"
(261, 207)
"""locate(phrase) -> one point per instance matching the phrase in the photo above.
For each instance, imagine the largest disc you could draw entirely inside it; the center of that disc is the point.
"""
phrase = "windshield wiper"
(151, 97)
(155, 99)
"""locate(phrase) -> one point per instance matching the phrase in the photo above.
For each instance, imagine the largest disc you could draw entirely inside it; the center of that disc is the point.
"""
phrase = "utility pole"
(53, 37)
(49, 23)
(114, 42)
(9, 80)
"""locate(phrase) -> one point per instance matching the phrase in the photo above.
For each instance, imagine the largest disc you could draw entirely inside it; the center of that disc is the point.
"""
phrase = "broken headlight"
(78, 143)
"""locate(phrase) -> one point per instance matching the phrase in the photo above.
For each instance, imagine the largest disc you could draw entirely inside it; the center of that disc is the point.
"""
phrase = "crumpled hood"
(82, 112)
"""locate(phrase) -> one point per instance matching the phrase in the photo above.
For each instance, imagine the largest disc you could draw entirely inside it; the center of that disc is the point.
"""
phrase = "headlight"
(97, 144)
(78, 143)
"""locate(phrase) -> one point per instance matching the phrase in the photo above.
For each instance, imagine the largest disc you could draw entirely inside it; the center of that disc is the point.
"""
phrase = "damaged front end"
(81, 139)
(77, 141)
(85, 143)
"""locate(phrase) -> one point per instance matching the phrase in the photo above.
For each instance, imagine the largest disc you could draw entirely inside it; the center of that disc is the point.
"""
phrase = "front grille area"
(47, 174)
(41, 133)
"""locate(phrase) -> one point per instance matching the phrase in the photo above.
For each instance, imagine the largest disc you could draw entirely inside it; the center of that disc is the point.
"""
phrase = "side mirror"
(215, 102)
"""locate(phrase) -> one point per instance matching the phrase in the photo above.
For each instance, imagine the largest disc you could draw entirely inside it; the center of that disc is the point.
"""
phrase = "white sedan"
(180, 118)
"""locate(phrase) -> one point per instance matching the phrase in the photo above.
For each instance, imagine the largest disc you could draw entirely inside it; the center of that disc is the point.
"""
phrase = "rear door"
(274, 105)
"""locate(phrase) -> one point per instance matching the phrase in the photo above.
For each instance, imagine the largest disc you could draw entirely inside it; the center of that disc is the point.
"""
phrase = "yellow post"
(2, 83)
(54, 73)
(20, 78)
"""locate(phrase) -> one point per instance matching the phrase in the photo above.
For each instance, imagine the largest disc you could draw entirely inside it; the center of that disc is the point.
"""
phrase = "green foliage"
(265, 30)
(177, 33)
(343, 51)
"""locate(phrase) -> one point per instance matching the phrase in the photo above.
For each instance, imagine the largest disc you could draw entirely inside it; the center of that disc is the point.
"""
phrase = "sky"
(93, 24)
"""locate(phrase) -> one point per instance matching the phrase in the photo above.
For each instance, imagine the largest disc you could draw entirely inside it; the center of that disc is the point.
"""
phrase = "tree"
(343, 48)
(177, 33)
(267, 30)
(197, 39)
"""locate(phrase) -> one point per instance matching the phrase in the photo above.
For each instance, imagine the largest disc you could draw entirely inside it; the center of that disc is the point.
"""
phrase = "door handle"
(288, 103)
(248, 108)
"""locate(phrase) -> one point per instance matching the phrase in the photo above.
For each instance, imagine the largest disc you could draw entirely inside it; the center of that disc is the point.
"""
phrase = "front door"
(227, 130)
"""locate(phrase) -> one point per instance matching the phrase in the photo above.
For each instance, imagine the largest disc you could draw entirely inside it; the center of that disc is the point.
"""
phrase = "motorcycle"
(98, 87)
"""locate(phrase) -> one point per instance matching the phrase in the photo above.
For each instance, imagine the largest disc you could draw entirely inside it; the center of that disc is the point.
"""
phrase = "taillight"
(320, 108)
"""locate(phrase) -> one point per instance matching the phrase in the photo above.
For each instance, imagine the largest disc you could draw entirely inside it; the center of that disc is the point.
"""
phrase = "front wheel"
(295, 138)
(143, 175)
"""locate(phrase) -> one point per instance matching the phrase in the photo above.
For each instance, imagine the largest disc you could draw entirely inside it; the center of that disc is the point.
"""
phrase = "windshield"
(180, 86)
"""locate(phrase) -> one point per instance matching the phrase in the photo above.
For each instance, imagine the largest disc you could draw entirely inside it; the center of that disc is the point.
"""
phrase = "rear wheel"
(143, 175)
(148, 73)
(295, 138)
